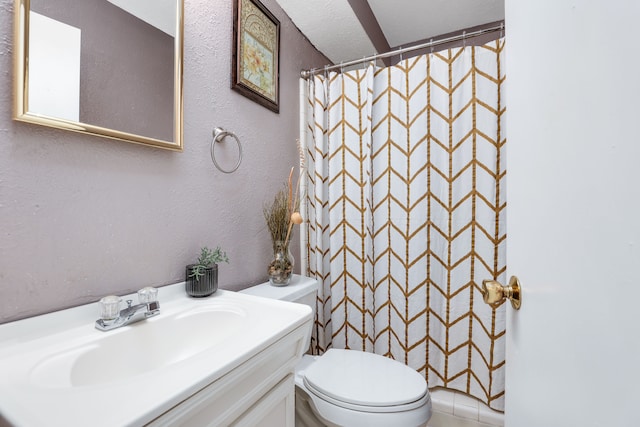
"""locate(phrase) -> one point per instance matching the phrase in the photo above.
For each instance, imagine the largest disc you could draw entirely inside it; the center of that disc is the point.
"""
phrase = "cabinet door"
(274, 409)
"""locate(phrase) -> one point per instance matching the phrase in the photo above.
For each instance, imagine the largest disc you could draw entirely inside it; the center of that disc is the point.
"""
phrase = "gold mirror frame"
(21, 88)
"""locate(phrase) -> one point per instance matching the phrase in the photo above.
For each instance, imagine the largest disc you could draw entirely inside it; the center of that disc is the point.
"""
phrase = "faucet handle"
(147, 295)
(109, 308)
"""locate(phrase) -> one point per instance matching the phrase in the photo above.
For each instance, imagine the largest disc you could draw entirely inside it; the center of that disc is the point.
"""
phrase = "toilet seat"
(320, 400)
(365, 382)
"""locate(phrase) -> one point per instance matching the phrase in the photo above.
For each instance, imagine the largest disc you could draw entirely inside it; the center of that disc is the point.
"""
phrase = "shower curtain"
(405, 188)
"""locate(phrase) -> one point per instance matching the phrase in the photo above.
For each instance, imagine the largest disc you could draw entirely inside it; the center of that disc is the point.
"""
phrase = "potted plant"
(202, 277)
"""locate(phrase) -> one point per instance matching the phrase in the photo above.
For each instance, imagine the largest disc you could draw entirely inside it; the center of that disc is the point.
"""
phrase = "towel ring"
(218, 136)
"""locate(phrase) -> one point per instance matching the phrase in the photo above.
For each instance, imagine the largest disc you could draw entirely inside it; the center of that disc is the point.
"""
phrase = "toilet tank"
(301, 289)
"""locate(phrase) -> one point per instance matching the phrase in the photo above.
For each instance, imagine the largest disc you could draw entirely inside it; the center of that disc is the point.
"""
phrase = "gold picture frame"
(256, 53)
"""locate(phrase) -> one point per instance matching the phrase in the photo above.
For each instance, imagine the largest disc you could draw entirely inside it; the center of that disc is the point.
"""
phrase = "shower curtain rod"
(308, 73)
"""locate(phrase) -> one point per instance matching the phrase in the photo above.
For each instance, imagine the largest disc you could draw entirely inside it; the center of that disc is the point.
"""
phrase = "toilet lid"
(364, 379)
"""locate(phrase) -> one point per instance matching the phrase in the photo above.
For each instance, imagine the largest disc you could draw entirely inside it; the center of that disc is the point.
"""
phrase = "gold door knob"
(493, 293)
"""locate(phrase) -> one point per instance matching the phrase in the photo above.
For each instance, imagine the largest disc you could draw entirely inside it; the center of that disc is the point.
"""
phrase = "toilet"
(350, 388)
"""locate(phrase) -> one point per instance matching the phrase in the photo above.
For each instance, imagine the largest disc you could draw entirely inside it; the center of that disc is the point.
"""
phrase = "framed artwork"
(256, 52)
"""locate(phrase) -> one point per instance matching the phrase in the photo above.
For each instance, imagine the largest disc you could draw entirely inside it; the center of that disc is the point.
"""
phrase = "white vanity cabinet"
(224, 360)
(259, 392)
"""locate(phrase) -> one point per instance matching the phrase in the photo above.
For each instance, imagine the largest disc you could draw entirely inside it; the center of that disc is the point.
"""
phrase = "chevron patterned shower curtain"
(406, 214)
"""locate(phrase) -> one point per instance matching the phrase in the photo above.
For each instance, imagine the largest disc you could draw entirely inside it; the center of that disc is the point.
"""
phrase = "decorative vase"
(281, 267)
(204, 285)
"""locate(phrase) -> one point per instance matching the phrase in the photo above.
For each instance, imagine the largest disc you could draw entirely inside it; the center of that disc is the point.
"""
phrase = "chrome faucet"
(126, 316)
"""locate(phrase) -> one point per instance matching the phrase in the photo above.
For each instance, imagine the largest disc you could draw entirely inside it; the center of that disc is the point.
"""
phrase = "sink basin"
(57, 369)
(143, 347)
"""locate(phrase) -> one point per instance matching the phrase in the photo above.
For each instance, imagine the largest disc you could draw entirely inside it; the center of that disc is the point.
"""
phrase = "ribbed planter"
(204, 285)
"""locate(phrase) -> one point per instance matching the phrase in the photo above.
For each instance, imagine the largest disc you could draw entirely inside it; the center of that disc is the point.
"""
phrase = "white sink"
(143, 347)
(57, 369)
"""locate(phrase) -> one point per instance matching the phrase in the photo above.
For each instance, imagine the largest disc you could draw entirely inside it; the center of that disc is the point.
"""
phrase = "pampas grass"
(282, 213)
(277, 216)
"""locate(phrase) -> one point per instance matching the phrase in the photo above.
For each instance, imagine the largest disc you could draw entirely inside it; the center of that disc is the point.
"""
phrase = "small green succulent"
(207, 258)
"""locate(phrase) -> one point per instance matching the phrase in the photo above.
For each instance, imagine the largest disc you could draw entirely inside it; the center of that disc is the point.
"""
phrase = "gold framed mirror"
(111, 68)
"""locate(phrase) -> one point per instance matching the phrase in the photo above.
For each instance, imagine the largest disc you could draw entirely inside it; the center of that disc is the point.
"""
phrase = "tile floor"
(453, 409)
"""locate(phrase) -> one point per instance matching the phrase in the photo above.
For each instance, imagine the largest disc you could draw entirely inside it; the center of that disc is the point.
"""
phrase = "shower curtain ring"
(431, 43)
(464, 39)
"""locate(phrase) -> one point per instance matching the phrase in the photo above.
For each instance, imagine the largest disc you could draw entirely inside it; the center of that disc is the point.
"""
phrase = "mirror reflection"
(113, 67)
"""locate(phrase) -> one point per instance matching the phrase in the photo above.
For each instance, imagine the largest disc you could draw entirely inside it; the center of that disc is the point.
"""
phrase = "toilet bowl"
(349, 387)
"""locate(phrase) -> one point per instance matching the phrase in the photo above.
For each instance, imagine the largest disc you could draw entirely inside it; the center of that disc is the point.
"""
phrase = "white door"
(573, 215)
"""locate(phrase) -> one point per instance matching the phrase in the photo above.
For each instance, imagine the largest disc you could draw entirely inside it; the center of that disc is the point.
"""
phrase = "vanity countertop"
(57, 369)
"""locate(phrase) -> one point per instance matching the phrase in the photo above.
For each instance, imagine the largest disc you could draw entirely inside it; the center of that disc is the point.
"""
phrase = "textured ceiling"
(331, 26)
(335, 29)
(405, 21)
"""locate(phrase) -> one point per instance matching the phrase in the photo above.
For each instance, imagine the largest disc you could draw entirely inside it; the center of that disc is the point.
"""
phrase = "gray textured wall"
(82, 216)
